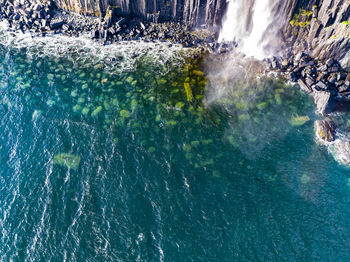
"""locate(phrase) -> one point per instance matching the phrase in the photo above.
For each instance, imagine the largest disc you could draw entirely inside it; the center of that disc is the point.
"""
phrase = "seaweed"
(67, 160)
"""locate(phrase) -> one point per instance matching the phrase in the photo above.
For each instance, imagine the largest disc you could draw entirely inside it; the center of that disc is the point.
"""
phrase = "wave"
(120, 56)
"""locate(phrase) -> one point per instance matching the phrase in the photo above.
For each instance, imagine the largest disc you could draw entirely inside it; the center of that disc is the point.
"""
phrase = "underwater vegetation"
(67, 160)
(152, 100)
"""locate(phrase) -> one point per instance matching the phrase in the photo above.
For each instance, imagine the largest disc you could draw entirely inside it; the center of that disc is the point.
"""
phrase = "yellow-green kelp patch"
(67, 160)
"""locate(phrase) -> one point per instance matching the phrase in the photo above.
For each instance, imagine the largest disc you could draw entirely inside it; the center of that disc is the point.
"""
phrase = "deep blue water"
(105, 162)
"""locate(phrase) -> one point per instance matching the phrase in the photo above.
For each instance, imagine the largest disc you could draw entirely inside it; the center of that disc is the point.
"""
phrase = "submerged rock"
(299, 120)
(68, 160)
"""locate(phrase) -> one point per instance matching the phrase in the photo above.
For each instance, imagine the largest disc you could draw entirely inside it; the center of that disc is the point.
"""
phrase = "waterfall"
(253, 25)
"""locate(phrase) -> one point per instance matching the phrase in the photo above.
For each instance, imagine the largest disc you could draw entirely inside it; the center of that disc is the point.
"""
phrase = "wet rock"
(275, 63)
(320, 85)
(296, 74)
(331, 62)
(347, 78)
(341, 151)
(65, 27)
(343, 88)
(324, 102)
(306, 88)
(314, 11)
(56, 23)
(322, 68)
(342, 76)
(307, 63)
(285, 64)
(309, 81)
(325, 130)
(333, 69)
(298, 57)
(339, 83)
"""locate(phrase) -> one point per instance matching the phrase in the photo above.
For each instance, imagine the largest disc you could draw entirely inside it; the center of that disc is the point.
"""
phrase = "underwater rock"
(77, 108)
(180, 105)
(325, 130)
(299, 120)
(305, 179)
(188, 91)
(262, 105)
(96, 111)
(124, 113)
(67, 160)
(85, 111)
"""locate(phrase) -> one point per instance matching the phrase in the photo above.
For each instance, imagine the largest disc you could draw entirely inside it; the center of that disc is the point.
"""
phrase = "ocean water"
(123, 154)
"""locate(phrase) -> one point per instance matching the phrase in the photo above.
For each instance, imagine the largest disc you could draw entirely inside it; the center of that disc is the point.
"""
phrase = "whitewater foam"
(118, 57)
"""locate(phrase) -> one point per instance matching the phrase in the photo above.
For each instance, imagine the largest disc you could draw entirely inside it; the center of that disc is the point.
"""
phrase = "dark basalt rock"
(56, 23)
(190, 12)
(41, 17)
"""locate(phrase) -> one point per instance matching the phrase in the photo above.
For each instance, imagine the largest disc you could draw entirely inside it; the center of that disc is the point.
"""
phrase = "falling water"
(249, 24)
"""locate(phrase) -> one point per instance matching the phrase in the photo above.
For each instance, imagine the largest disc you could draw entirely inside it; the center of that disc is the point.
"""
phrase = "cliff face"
(191, 12)
(321, 28)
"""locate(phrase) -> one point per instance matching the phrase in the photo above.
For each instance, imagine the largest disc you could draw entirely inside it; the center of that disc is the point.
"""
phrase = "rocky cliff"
(191, 12)
(321, 28)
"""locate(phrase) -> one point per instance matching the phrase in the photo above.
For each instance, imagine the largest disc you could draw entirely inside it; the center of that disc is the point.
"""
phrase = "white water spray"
(252, 24)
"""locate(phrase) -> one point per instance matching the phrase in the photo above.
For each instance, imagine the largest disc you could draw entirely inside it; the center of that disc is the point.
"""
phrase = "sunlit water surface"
(117, 156)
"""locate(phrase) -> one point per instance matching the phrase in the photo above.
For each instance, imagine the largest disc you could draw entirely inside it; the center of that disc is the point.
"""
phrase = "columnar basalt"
(191, 12)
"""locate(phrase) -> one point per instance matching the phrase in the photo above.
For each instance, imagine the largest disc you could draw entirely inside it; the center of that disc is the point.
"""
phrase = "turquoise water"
(130, 157)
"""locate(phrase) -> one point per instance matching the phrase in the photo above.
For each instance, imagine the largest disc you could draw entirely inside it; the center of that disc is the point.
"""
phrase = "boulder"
(343, 88)
(324, 102)
(321, 85)
(325, 130)
(322, 68)
(56, 23)
(303, 85)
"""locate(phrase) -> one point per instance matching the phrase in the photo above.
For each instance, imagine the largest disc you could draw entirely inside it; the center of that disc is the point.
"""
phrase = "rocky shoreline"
(44, 18)
(325, 80)
(329, 85)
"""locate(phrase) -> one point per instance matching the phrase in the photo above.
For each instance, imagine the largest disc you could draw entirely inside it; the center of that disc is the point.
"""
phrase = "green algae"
(81, 100)
(262, 105)
(97, 111)
(85, 111)
(129, 79)
(171, 123)
(296, 120)
(188, 91)
(162, 81)
(67, 160)
(180, 105)
(124, 113)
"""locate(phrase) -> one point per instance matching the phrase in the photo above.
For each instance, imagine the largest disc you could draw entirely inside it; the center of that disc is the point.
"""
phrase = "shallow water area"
(122, 153)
